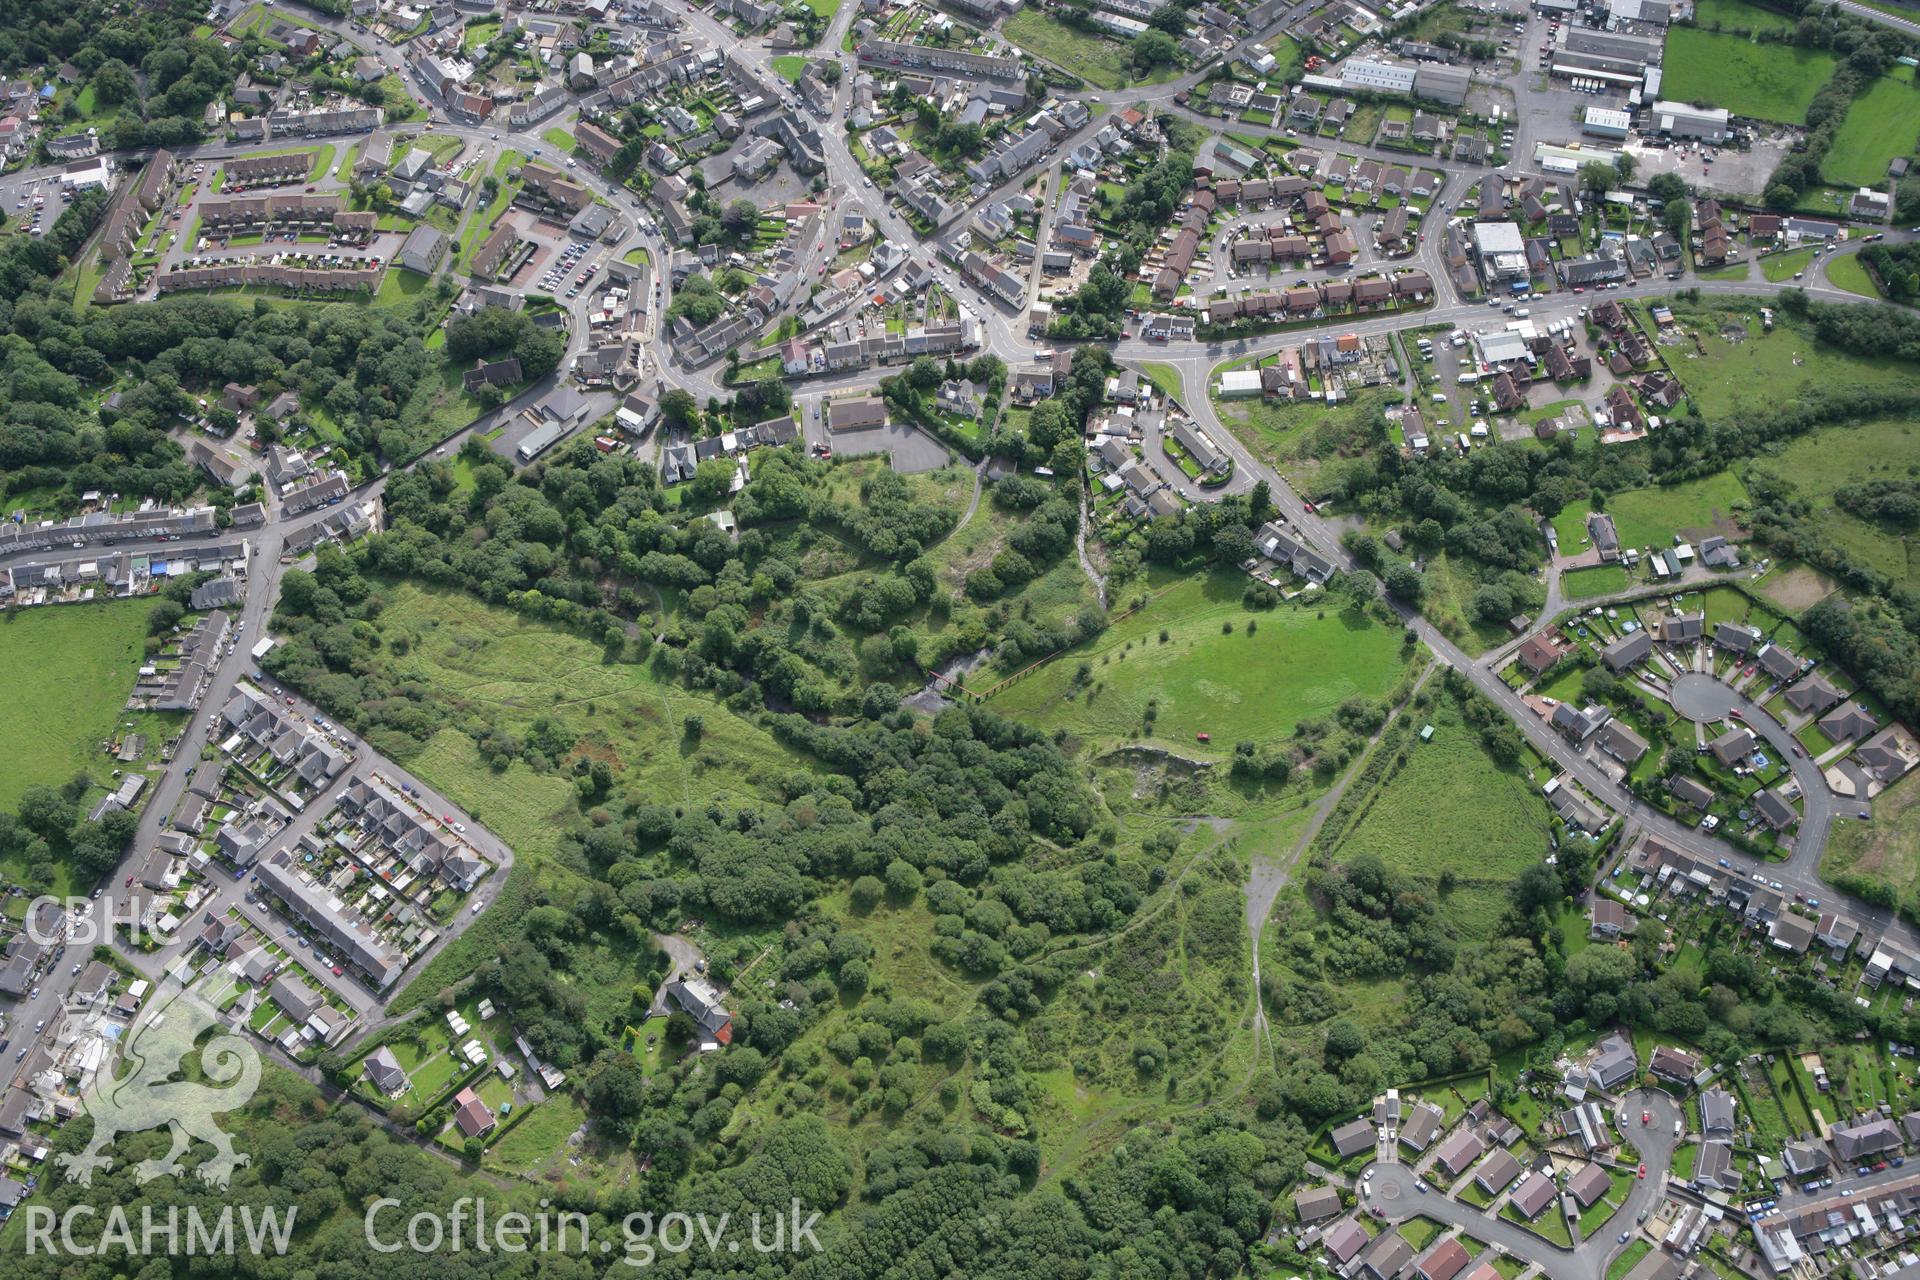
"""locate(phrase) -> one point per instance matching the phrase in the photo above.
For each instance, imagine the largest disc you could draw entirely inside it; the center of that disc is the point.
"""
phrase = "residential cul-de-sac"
(1084, 639)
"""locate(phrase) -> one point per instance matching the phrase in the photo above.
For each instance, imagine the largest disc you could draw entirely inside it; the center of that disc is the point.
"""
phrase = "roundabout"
(1702, 698)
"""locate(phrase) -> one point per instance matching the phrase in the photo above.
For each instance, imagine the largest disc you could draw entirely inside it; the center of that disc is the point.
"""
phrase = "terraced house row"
(273, 273)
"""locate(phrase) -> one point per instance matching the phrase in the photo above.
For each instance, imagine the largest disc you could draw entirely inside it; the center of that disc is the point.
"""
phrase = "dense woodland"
(993, 832)
(948, 811)
(923, 1129)
(364, 373)
(591, 540)
(142, 59)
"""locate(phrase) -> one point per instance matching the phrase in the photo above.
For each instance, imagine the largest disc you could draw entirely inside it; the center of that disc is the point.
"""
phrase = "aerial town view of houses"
(1037, 638)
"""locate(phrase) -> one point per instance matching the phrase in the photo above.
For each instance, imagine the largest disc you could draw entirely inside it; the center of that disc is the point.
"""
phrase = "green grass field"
(1235, 686)
(1782, 266)
(79, 662)
(479, 33)
(1163, 376)
(1880, 125)
(790, 67)
(1651, 516)
(515, 670)
(1303, 439)
(1449, 808)
(1821, 462)
(1095, 59)
(1764, 81)
(540, 1140)
(1846, 272)
(1886, 849)
(1745, 369)
(441, 146)
(1739, 271)
(489, 663)
(1736, 15)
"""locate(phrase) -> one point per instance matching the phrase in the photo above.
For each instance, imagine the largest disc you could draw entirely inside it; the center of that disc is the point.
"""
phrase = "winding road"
(1006, 337)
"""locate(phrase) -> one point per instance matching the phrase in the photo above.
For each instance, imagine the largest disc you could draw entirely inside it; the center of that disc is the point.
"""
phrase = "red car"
(129, 882)
(1646, 1117)
(1643, 1171)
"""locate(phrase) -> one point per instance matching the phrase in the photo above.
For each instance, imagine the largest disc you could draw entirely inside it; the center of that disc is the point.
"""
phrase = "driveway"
(1396, 1196)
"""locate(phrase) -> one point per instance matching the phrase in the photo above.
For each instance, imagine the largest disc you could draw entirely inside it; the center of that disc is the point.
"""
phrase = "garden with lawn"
(1595, 580)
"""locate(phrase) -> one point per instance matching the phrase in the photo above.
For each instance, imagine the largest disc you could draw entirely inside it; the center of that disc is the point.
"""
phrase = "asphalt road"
(1396, 1196)
(1006, 338)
